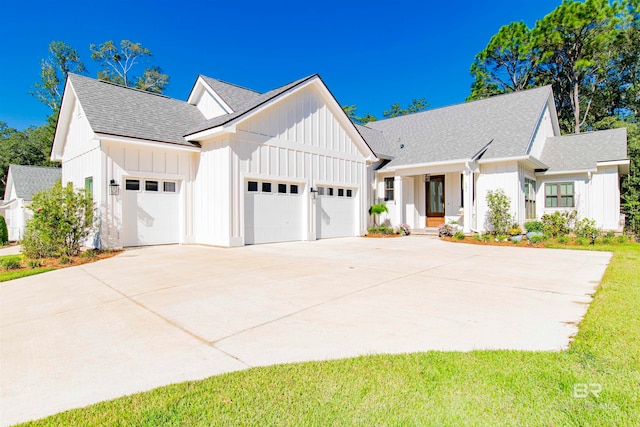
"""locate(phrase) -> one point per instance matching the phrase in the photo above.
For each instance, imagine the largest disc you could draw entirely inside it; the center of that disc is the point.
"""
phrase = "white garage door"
(150, 212)
(273, 212)
(336, 212)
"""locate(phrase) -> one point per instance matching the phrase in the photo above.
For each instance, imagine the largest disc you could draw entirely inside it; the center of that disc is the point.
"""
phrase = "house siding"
(503, 176)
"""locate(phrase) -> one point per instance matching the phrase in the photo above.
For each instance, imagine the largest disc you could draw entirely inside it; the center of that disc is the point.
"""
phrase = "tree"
(62, 219)
(509, 63)
(415, 106)
(61, 61)
(118, 62)
(573, 41)
(350, 110)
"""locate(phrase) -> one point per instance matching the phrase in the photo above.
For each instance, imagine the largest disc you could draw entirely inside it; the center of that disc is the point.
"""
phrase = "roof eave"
(148, 142)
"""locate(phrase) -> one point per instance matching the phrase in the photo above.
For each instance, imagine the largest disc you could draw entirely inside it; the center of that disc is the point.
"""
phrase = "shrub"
(533, 226)
(610, 234)
(65, 260)
(477, 237)
(622, 239)
(587, 228)
(583, 241)
(382, 229)
(459, 235)
(607, 240)
(501, 238)
(558, 223)
(563, 239)
(515, 230)
(10, 263)
(445, 230)
(62, 219)
(34, 263)
(4, 232)
(536, 240)
(89, 253)
(499, 217)
(403, 230)
(486, 237)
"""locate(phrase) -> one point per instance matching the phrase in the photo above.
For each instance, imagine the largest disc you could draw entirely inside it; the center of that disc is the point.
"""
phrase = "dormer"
(207, 100)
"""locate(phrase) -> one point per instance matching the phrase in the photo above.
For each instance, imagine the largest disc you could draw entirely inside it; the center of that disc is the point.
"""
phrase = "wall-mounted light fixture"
(314, 193)
(114, 188)
(427, 178)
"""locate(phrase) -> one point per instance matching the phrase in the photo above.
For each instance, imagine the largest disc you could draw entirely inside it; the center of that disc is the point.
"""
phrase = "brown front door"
(435, 201)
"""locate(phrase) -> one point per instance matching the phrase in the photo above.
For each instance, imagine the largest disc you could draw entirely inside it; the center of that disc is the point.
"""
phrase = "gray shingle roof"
(235, 96)
(121, 111)
(460, 131)
(28, 180)
(583, 151)
(376, 140)
(254, 103)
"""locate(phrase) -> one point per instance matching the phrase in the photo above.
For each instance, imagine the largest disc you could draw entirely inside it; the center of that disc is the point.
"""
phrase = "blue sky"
(369, 53)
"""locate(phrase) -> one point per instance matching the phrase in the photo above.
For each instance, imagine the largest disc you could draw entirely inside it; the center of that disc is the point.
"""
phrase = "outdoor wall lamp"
(114, 188)
(427, 178)
(314, 193)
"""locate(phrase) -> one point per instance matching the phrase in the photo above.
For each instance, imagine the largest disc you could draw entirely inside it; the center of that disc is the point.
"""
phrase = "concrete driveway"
(159, 315)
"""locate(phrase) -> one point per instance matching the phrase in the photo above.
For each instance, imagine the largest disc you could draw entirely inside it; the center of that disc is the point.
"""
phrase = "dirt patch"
(472, 241)
(73, 261)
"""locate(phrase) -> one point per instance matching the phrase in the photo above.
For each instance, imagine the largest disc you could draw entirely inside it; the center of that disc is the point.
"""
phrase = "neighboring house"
(438, 165)
(22, 183)
(231, 166)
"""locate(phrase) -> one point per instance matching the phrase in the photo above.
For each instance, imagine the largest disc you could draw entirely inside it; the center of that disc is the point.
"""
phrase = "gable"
(308, 116)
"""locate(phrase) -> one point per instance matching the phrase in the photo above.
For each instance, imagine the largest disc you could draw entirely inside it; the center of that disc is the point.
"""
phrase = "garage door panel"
(273, 217)
(151, 217)
(335, 216)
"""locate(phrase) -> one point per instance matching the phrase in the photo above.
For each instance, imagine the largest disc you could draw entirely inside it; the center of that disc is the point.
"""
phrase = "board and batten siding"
(495, 176)
(122, 160)
(296, 140)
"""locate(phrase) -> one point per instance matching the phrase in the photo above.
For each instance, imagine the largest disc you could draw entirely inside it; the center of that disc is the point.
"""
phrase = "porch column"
(397, 195)
(467, 196)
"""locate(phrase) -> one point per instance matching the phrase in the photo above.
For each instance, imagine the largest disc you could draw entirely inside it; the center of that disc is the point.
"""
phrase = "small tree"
(4, 232)
(499, 217)
(62, 219)
(376, 210)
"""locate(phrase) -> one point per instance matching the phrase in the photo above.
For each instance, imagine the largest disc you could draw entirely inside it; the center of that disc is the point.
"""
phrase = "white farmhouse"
(231, 166)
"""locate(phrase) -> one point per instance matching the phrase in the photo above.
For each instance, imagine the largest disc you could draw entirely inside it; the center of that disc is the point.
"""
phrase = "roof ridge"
(518, 92)
(589, 132)
(124, 87)
(35, 166)
(232, 84)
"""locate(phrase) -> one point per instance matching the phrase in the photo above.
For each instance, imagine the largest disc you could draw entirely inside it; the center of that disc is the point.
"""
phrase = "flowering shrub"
(445, 230)
(403, 230)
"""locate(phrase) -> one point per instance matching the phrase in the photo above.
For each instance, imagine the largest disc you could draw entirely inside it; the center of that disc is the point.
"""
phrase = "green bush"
(62, 219)
(65, 260)
(11, 262)
(382, 229)
(477, 237)
(376, 210)
(499, 217)
(536, 240)
(89, 253)
(587, 228)
(607, 240)
(622, 239)
(583, 241)
(501, 238)
(610, 234)
(533, 226)
(4, 232)
(563, 239)
(459, 235)
(34, 263)
(558, 223)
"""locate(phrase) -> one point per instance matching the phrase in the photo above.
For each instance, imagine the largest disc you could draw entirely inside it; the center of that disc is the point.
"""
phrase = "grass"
(11, 274)
(497, 388)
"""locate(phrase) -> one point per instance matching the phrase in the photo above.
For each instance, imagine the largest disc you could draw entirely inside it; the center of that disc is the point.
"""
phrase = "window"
(169, 187)
(252, 186)
(530, 198)
(388, 189)
(340, 192)
(349, 193)
(462, 190)
(293, 189)
(88, 186)
(266, 187)
(320, 191)
(559, 195)
(151, 185)
(132, 184)
(329, 191)
(282, 188)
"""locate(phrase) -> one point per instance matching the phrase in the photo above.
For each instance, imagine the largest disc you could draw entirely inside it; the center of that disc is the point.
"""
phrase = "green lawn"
(6, 275)
(432, 388)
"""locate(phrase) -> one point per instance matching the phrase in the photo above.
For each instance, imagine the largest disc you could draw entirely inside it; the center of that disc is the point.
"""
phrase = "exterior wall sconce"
(314, 193)
(114, 188)
(427, 178)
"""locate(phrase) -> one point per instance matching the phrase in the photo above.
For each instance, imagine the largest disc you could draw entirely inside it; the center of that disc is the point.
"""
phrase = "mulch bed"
(381, 236)
(74, 261)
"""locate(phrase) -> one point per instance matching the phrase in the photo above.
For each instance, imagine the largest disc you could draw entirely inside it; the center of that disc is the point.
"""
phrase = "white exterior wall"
(492, 177)
(212, 193)
(209, 106)
(297, 140)
(544, 131)
(581, 194)
(16, 217)
(121, 160)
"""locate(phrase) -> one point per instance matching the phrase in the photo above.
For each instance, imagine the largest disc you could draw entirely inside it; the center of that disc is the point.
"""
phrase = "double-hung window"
(530, 198)
(388, 189)
(559, 195)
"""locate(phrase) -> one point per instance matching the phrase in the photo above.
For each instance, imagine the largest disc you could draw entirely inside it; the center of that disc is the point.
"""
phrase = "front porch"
(428, 197)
